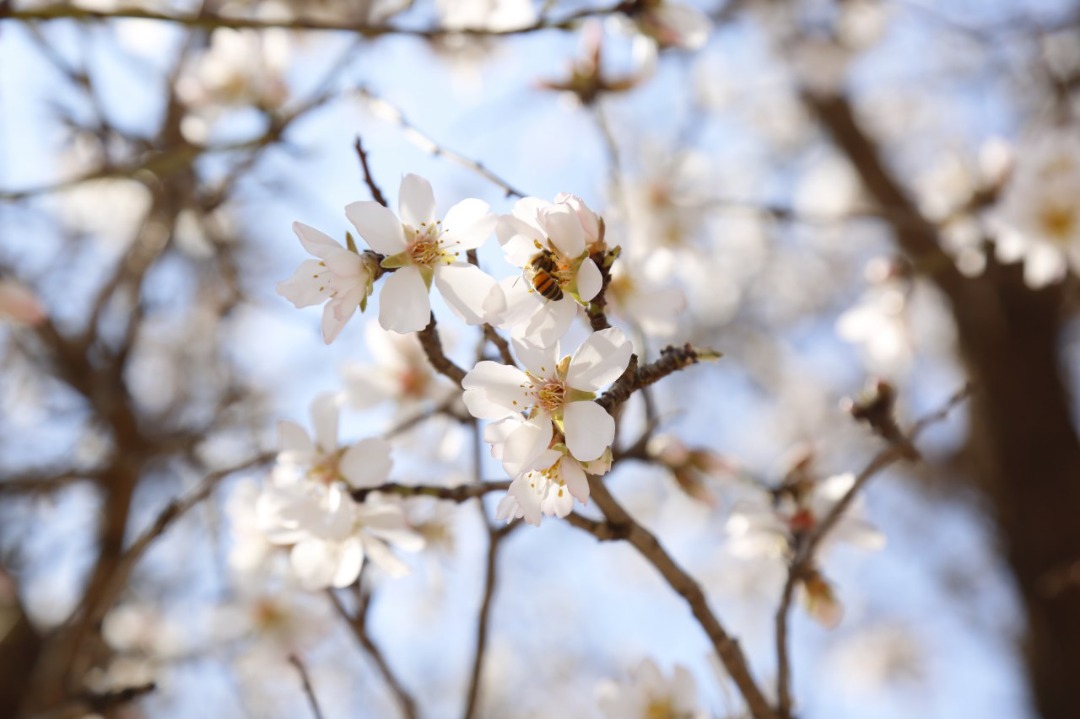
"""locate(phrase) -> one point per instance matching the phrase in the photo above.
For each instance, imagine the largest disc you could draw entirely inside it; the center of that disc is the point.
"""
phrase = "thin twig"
(369, 180)
(495, 537)
(672, 359)
(309, 691)
(393, 114)
(459, 493)
(358, 624)
(803, 560)
(432, 345)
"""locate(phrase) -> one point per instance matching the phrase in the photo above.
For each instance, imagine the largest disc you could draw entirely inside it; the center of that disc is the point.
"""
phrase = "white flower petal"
(521, 489)
(574, 475)
(416, 201)
(468, 224)
(378, 226)
(314, 241)
(541, 361)
(305, 287)
(526, 446)
(337, 314)
(465, 288)
(350, 561)
(589, 430)
(366, 463)
(315, 563)
(589, 280)
(600, 360)
(494, 390)
(564, 230)
(294, 441)
(404, 305)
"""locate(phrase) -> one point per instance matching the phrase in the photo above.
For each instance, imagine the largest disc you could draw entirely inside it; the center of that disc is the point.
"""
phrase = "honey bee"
(542, 273)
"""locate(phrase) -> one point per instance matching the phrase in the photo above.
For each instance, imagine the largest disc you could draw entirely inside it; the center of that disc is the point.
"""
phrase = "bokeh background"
(818, 189)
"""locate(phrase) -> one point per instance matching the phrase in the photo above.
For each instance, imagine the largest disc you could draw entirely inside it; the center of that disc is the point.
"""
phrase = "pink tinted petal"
(600, 360)
(403, 303)
(19, 304)
(589, 280)
(494, 390)
(589, 430)
(465, 288)
(416, 201)
(468, 224)
(367, 463)
(564, 230)
(377, 226)
(314, 241)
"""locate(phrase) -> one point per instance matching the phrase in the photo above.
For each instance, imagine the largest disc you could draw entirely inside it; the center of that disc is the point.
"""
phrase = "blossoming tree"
(603, 450)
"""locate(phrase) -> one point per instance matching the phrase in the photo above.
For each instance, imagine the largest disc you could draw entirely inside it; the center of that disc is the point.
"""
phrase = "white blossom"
(551, 242)
(551, 491)
(648, 694)
(423, 250)
(340, 277)
(551, 394)
(1039, 216)
(308, 506)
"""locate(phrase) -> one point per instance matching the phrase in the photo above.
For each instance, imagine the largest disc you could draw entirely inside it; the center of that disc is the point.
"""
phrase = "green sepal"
(351, 243)
(394, 262)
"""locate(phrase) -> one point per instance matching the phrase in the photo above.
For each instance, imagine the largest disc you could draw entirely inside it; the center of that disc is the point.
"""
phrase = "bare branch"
(803, 562)
(460, 493)
(358, 624)
(309, 691)
(620, 525)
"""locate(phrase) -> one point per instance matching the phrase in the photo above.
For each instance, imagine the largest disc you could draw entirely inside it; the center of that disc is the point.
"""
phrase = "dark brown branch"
(309, 690)
(460, 493)
(369, 179)
(432, 345)
(672, 359)
(620, 525)
(900, 448)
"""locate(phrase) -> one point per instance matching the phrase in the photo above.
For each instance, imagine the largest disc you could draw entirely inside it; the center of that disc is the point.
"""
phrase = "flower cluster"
(546, 429)
(307, 504)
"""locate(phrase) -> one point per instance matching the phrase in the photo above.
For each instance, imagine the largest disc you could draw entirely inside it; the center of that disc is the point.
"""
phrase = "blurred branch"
(621, 526)
(391, 113)
(358, 624)
(495, 538)
(45, 482)
(309, 691)
(207, 21)
(802, 563)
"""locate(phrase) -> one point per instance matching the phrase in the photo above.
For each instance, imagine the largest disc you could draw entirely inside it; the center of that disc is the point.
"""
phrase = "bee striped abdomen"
(542, 269)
